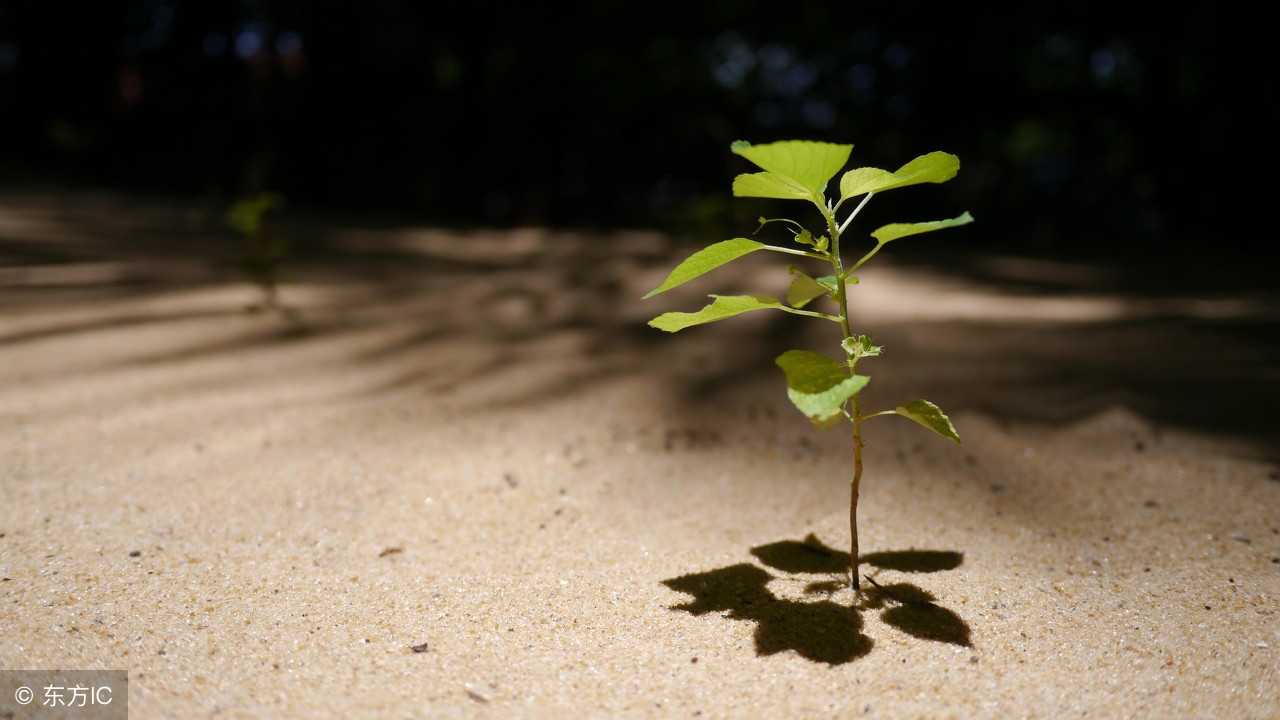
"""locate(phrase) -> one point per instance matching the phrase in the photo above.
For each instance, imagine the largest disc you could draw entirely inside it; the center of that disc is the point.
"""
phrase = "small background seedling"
(827, 391)
(262, 253)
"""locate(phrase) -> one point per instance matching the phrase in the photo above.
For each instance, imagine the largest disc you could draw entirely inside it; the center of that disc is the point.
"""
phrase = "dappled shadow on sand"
(814, 626)
(821, 631)
(1015, 338)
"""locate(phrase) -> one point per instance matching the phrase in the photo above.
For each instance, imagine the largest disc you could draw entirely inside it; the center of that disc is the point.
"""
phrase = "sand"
(463, 479)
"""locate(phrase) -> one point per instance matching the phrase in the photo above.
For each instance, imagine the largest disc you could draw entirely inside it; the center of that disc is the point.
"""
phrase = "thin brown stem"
(853, 496)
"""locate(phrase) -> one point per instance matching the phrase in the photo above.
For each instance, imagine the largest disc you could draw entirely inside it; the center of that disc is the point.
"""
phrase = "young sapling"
(827, 391)
(263, 254)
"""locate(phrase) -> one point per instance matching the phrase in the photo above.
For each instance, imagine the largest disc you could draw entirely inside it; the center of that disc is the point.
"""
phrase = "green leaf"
(893, 231)
(828, 422)
(721, 307)
(805, 289)
(705, 260)
(936, 167)
(802, 166)
(804, 237)
(246, 215)
(861, 347)
(930, 416)
(818, 385)
(767, 185)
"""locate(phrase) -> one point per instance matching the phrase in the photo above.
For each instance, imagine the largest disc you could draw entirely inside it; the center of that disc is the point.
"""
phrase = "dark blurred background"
(1083, 128)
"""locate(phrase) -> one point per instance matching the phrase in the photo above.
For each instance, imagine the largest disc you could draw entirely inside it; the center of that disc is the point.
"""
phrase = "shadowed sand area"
(462, 478)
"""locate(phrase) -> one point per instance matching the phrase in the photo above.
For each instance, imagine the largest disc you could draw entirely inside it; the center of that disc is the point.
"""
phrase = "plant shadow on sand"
(822, 630)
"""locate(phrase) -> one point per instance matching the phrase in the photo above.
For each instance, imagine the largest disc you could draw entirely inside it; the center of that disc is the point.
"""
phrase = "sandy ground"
(463, 479)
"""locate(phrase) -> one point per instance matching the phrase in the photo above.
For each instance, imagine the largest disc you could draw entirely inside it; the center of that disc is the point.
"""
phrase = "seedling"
(827, 391)
(263, 254)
